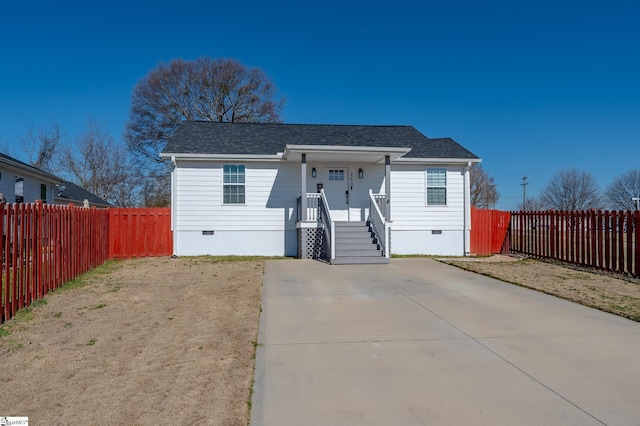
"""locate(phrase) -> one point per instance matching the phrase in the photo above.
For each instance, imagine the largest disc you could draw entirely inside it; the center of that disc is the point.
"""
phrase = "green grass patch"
(91, 342)
(93, 308)
(89, 276)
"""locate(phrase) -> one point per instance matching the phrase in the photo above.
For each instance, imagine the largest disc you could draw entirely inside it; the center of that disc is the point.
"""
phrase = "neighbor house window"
(43, 192)
(436, 187)
(233, 184)
(19, 189)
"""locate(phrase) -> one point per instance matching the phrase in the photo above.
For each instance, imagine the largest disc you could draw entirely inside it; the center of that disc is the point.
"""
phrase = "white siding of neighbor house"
(31, 189)
(264, 225)
(7, 185)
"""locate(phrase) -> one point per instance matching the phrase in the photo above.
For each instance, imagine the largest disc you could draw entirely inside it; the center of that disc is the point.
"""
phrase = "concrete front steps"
(355, 244)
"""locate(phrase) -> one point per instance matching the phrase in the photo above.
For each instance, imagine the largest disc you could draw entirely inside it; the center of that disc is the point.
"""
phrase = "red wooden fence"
(44, 246)
(143, 232)
(600, 239)
(489, 231)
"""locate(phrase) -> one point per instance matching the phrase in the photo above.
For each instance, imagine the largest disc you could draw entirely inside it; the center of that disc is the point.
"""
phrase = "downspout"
(173, 204)
(467, 210)
(303, 186)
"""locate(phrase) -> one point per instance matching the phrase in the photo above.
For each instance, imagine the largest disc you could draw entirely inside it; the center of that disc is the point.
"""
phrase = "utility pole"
(524, 193)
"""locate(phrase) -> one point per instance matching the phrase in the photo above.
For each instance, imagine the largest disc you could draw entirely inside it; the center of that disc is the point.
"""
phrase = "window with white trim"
(436, 187)
(233, 187)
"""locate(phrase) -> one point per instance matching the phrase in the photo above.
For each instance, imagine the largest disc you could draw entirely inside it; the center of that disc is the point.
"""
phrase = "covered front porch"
(344, 206)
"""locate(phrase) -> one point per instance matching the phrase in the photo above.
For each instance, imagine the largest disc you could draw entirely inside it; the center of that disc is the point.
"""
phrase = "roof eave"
(214, 157)
(31, 171)
(393, 152)
(411, 160)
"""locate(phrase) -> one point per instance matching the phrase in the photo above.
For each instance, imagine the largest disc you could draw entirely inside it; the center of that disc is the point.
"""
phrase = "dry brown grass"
(152, 341)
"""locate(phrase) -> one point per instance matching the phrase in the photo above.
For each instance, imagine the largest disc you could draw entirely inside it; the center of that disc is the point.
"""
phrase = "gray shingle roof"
(207, 137)
(4, 158)
(73, 192)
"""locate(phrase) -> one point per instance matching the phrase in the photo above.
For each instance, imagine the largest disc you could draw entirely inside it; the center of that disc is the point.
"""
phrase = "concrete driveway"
(417, 342)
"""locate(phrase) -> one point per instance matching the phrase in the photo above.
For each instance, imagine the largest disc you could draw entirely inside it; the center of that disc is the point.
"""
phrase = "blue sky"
(530, 87)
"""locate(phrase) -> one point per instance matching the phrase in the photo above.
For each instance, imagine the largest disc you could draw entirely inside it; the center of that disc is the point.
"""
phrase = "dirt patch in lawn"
(146, 341)
(601, 291)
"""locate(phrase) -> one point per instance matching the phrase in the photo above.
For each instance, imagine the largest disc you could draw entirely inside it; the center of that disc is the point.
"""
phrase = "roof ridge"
(300, 124)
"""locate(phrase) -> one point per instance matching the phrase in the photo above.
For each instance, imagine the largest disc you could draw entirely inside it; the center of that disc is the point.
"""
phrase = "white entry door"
(336, 188)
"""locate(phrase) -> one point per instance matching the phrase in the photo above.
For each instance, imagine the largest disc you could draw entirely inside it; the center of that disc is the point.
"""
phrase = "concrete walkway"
(417, 342)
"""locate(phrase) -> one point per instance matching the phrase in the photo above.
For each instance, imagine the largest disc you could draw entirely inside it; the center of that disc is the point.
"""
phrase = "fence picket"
(607, 240)
(44, 246)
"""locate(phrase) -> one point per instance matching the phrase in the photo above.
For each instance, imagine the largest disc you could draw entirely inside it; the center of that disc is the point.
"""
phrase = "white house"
(344, 193)
(20, 182)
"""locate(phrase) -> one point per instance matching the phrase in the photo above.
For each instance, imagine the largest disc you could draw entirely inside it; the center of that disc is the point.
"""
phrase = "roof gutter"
(212, 157)
(465, 161)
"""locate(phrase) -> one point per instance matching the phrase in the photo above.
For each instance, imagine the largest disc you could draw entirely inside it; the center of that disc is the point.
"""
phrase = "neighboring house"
(70, 193)
(20, 182)
(344, 193)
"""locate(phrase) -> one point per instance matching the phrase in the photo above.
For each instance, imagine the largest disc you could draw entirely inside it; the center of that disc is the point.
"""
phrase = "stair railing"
(324, 217)
(379, 225)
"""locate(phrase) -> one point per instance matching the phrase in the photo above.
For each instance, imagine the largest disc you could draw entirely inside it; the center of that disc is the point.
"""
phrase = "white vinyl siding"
(409, 209)
(270, 198)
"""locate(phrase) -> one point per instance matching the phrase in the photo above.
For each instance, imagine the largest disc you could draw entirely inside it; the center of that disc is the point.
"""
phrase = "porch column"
(303, 170)
(387, 188)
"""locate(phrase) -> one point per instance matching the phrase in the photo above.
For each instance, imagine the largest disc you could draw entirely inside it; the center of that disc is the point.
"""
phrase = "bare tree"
(483, 189)
(206, 89)
(623, 189)
(572, 190)
(6, 148)
(41, 145)
(98, 164)
(532, 204)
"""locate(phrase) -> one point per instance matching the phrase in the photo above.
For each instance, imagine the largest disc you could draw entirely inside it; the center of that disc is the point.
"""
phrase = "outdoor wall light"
(314, 173)
(360, 173)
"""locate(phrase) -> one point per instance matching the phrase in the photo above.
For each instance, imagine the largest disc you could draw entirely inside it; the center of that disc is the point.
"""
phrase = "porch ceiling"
(328, 153)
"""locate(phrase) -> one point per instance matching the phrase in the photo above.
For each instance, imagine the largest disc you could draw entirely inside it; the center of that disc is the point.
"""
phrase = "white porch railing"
(380, 200)
(324, 217)
(308, 209)
(379, 225)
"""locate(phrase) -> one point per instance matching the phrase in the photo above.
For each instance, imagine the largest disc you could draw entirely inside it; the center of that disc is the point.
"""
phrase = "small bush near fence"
(44, 246)
(607, 240)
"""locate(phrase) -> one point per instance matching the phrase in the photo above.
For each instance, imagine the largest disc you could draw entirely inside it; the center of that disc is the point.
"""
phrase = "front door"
(336, 188)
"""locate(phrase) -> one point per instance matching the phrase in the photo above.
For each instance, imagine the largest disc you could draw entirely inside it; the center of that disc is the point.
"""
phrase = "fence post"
(630, 232)
(636, 227)
(4, 224)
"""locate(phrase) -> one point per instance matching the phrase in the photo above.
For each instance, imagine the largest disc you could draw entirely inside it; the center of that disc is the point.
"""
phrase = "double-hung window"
(233, 191)
(436, 187)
